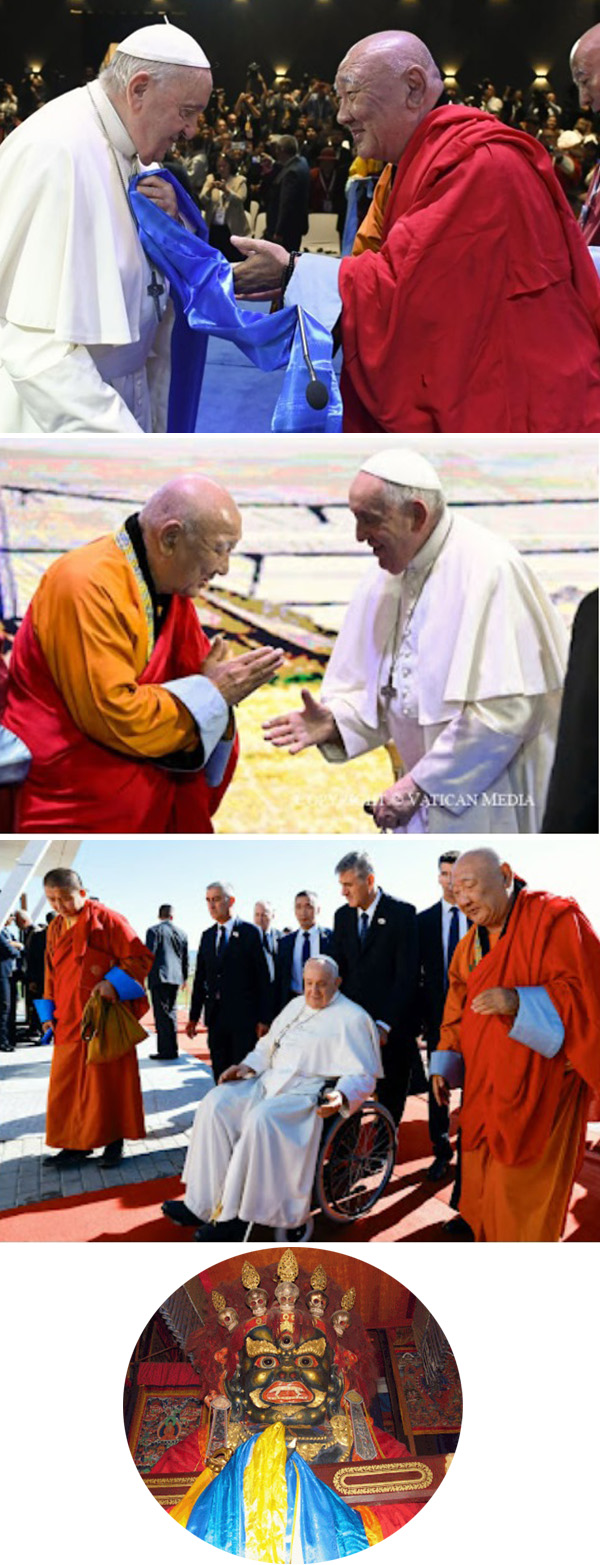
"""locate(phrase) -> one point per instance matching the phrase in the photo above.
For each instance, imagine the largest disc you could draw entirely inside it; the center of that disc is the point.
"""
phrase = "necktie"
(221, 941)
(453, 934)
(363, 925)
(265, 940)
(305, 949)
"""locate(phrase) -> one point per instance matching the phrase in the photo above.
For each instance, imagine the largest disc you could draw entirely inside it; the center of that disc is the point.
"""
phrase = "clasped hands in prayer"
(331, 1103)
(237, 677)
(491, 1002)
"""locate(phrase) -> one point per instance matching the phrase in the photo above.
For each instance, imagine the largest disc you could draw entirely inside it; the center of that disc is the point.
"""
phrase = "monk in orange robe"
(523, 1012)
(114, 688)
(469, 301)
(89, 1105)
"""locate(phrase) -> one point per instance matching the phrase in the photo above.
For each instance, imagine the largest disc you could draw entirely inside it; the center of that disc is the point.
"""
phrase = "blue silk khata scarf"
(202, 289)
(245, 1511)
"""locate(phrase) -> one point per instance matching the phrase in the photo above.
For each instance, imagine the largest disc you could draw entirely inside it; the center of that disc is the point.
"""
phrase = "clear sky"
(135, 875)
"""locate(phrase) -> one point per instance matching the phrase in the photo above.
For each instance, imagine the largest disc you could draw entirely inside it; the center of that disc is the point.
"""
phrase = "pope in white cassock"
(451, 649)
(85, 323)
(255, 1138)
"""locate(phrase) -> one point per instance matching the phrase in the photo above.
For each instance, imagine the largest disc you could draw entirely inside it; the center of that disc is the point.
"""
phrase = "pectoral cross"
(389, 689)
(155, 289)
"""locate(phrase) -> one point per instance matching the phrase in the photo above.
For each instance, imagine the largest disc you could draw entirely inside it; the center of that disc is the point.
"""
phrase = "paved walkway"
(171, 1092)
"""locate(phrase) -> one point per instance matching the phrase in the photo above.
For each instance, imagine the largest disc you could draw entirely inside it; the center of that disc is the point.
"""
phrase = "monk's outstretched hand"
(236, 678)
(261, 274)
(496, 1002)
(295, 731)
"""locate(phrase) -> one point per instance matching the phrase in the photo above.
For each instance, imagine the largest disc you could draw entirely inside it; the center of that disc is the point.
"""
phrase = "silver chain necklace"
(388, 691)
(299, 1021)
(155, 288)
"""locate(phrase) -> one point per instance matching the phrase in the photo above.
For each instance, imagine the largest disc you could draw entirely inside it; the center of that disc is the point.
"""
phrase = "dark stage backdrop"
(507, 40)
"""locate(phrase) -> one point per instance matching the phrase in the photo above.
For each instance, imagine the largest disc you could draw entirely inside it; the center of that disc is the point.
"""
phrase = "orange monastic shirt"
(93, 620)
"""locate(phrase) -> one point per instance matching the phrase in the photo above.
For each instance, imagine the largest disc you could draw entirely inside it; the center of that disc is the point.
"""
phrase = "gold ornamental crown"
(287, 1272)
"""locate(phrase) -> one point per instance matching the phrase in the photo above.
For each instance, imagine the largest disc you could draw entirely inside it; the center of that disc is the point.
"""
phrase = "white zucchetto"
(167, 44)
(403, 467)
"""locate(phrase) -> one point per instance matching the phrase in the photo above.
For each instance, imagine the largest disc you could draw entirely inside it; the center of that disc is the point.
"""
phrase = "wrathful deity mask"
(286, 1377)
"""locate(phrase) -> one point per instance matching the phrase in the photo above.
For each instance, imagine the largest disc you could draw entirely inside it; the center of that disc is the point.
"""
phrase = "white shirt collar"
(432, 547)
(369, 910)
(112, 124)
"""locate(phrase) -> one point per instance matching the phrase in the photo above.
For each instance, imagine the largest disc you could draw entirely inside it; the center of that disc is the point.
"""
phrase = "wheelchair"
(355, 1162)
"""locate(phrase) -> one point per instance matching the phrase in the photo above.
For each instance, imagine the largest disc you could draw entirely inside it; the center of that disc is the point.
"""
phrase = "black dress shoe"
(164, 1057)
(68, 1158)
(111, 1155)
(180, 1213)
(213, 1233)
(459, 1231)
(438, 1170)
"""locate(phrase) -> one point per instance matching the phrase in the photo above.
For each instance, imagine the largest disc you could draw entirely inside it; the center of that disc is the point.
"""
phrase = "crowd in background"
(22, 954)
(277, 149)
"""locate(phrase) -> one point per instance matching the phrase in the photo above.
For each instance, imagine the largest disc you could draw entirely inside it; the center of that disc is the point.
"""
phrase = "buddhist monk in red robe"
(125, 706)
(470, 301)
(89, 1105)
(523, 1011)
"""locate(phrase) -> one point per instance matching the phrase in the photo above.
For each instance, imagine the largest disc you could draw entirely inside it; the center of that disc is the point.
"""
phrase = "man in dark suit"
(9, 953)
(296, 948)
(231, 983)
(572, 802)
(264, 914)
(35, 974)
(169, 971)
(287, 200)
(376, 947)
(440, 929)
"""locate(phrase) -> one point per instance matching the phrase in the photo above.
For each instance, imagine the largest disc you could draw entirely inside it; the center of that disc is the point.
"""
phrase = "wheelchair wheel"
(355, 1163)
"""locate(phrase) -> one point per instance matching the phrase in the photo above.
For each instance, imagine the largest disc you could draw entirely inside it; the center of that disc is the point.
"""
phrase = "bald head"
(585, 69)
(482, 885)
(189, 527)
(387, 83)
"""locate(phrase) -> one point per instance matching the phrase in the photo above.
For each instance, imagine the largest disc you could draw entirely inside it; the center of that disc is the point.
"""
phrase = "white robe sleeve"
(474, 749)
(60, 385)
(314, 286)
(356, 1089)
(259, 1058)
